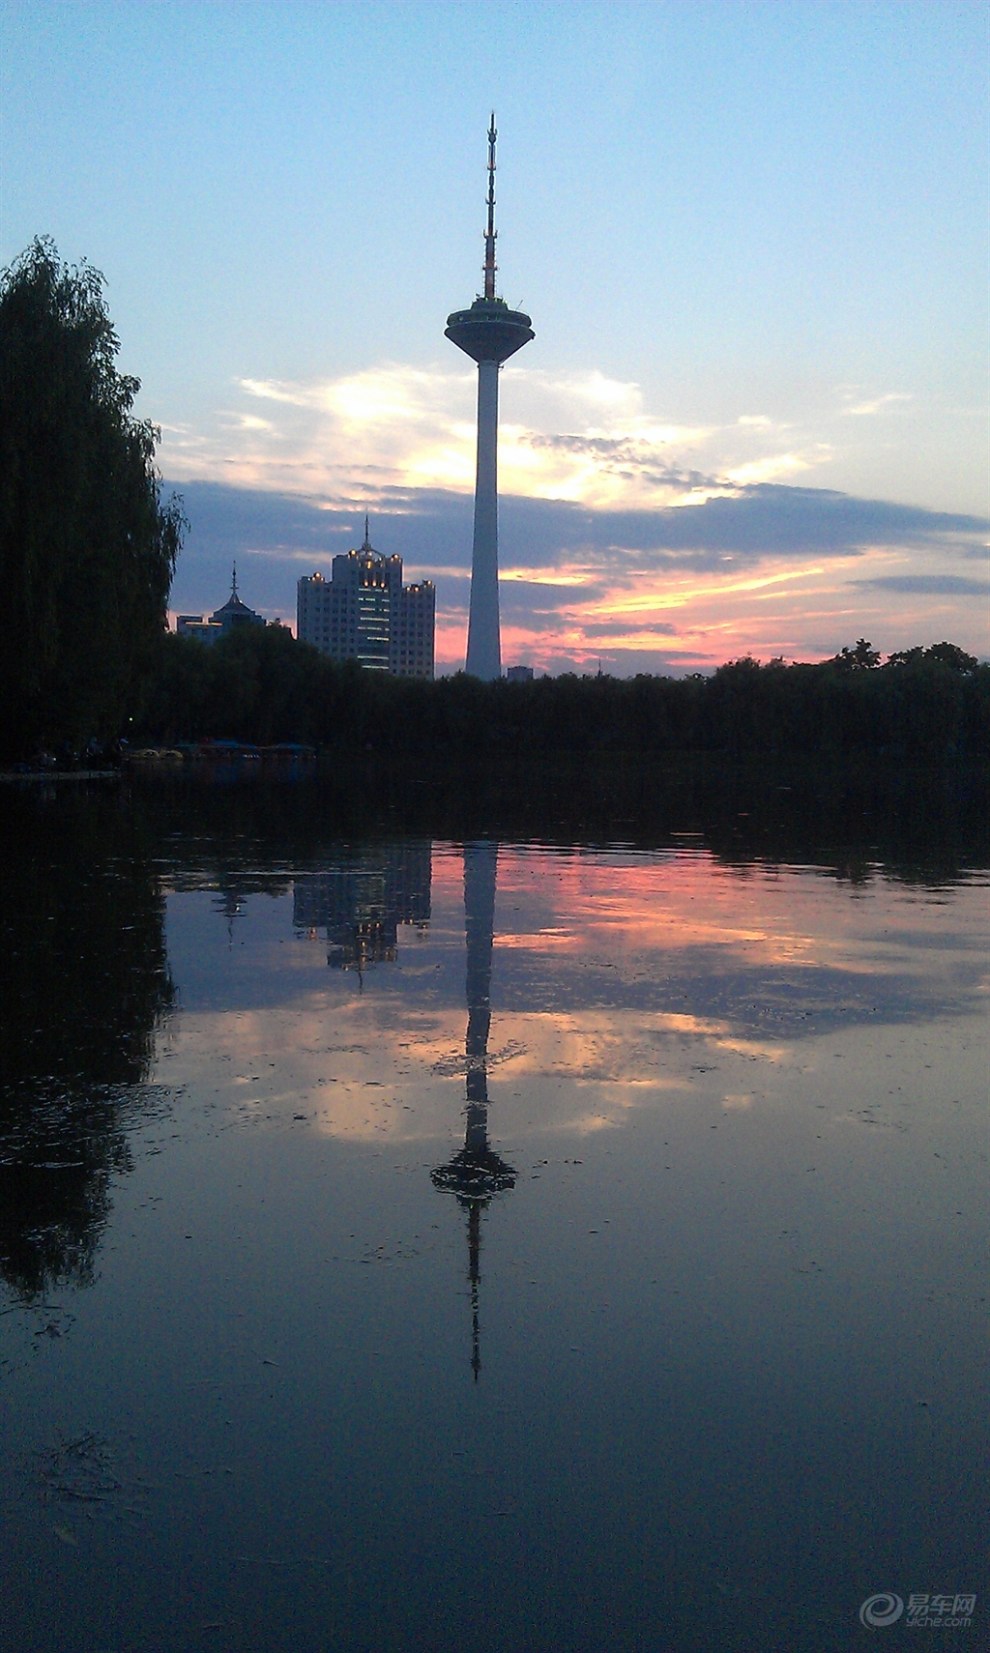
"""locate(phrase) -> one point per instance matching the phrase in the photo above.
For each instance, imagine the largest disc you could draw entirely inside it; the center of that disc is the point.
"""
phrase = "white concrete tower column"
(489, 332)
(484, 649)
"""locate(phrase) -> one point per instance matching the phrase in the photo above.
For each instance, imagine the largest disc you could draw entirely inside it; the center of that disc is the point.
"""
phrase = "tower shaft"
(484, 646)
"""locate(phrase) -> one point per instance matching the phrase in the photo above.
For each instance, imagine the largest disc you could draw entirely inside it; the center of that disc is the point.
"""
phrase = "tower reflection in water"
(477, 1172)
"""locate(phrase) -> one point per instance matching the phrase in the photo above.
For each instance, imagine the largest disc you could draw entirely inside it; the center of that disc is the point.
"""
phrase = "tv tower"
(489, 333)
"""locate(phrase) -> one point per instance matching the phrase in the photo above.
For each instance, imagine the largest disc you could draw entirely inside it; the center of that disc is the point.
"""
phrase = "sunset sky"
(752, 238)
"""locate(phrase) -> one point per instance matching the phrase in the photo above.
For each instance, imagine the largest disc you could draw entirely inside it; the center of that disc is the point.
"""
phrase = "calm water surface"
(410, 1243)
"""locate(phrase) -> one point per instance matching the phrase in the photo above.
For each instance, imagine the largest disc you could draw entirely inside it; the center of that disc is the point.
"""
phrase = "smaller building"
(234, 613)
(519, 674)
(195, 625)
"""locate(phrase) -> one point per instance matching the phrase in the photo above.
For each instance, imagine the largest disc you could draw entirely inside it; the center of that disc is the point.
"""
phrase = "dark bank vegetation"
(858, 817)
(262, 686)
(87, 546)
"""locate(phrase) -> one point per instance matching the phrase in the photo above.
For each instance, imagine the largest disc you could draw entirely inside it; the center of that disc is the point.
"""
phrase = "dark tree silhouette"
(864, 657)
(87, 547)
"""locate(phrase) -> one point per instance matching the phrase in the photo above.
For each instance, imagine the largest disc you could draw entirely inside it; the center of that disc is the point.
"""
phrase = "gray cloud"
(605, 629)
(602, 446)
(927, 585)
(761, 521)
(770, 519)
(275, 537)
(539, 605)
(633, 459)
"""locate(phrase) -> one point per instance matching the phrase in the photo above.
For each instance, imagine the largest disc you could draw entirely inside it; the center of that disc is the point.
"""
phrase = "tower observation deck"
(489, 332)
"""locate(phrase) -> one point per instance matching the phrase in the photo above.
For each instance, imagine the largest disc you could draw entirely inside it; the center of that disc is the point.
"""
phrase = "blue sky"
(752, 237)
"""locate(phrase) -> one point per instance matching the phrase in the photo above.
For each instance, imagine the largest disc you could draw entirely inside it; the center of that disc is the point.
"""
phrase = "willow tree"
(87, 545)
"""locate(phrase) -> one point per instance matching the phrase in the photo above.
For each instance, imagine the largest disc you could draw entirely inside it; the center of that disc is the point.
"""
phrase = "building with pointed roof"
(233, 613)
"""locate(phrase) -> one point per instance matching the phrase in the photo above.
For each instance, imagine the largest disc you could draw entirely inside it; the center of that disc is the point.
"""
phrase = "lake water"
(427, 1239)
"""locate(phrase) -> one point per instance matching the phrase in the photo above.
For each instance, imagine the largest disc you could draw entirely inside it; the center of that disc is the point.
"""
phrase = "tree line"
(262, 686)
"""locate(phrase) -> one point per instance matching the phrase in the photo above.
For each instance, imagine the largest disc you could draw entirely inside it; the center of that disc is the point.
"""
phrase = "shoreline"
(32, 775)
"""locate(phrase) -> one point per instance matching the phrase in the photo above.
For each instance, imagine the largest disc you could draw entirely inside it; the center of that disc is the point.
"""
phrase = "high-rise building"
(489, 332)
(362, 900)
(365, 613)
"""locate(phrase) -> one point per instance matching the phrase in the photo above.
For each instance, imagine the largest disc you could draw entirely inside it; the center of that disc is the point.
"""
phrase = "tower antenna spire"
(491, 232)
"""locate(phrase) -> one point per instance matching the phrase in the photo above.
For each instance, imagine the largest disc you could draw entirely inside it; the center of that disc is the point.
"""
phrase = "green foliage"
(87, 548)
(258, 684)
(864, 657)
(945, 654)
